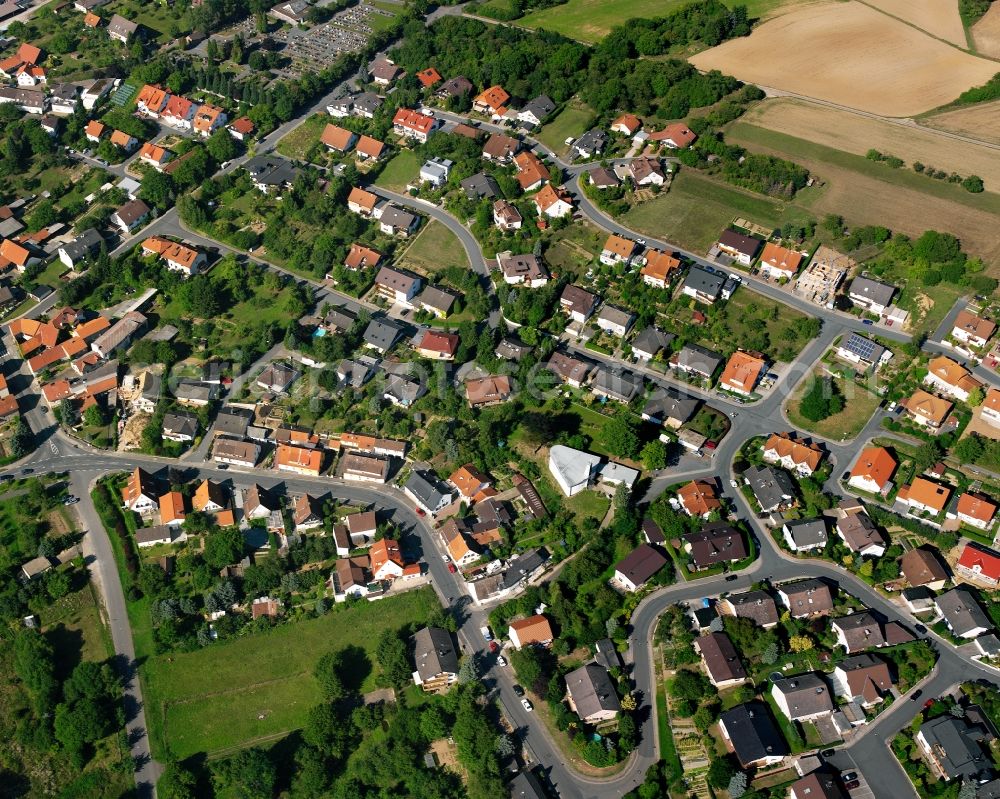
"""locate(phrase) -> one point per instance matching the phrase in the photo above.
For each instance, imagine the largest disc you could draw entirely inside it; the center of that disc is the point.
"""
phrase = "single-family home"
(259, 503)
(860, 534)
(411, 124)
(526, 269)
(95, 131)
(481, 186)
(381, 334)
(428, 77)
(817, 785)
(743, 371)
(173, 508)
(962, 613)
(491, 101)
(803, 598)
(703, 285)
(531, 172)
(506, 217)
(571, 370)
(435, 171)
(676, 136)
(638, 567)
(697, 360)
(805, 535)
(436, 301)
(590, 144)
(553, 202)
(244, 454)
(862, 678)
(669, 408)
(362, 257)
(208, 119)
(500, 149)
(532, 631)
(990, 409)
(650, 342)
(437, 346)
(742, 249)
(141, 493)
(971, 329)
(922, 567)
(241, 129)
(618, 250)
(435, 658)
(790, 452)
(338, 139)
(397, 285)
(772, 488)
(427, 491)
(298, 460)
(591, 694)
(659, 268)
(307, 513)
(924, 496)
(647, 172)
(615, 321)
(873, 470)
(131, 215)
(601, 178)
(951, 378)
(360, 468)
(395, 221)
(121, 29)
(384, 72)
(177, 257)
(862, 351)
(699, 499)
(862, 630)
(536, 111)
(979, 564)
(750, 731)
(577, 303)
(278, 377)
(180, 426)
(779, 262)
(573, 469)
(716, 543)
(386, 560)
(722, 664)
(179, 112)
(485, 391)
(975, 510)
(361, 202)
(927, 410)
(804, 697)
(627, 125)
(871, 295)
(756, 605)
(954, 748)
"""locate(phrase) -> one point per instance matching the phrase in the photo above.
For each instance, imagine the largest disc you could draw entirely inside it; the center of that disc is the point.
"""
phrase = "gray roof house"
(802, 697)
(757, 605)
(83, 246)
(233, 421)
(616, 384)
(180, 426)
(802, 535)
(753, 734)
(650, 341)
(522, 568)
(535, 111)
(526, 785)
(481, 186)
(381, 334)
(954, 747)
(427, 491)
(435, 658)
(697, 359)
(962, 613)
(771, 487)
(806, 597)
(592, 694)
(870, 294)
(703, 285)
(591, 143)
(615, 320)
(668, 407)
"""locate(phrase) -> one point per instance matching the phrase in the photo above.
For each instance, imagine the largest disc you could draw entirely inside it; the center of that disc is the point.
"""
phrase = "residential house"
(307, 513)
(804, 697)
(860, 534)
(615, 321)
(259, 503)
(990, 409)
(500, 149)
(699, 499)
(30, 101)
(481, 187)
(722, 664)
(121, 29)
(647, 172)
(972, 330)
(951, 378)
(386, 560)
(437, 301)
(532, 631)
(395, 221)
(716, 543)
(349, 578)
(862, 678)
(172, 508)
(82, 247)
(272, 175)
(742, 249)
(362, 257)
(384, 72)
(397, 285)
(703, 285)
(862, 630)
(120, 335)
(454, 87)
(669, 408)
(177, 257)
(805, 535)
(63, 98)
(141, 493)
(359, 468)
(751, 733)
(536, 111)
(369, 149)
(412, 124)
(658, 268)
(278, 377)
(924, 496)
(298, 460)
(435, 658)
(591, 694)
(381, 334)
(590, 144)
(618, 250)
(803, 598)
(627, 125)
(953, 747)
(871, 295)
(244, 454)
(817, 785)
(437, 346)
(506, 216)
(95, 131)
(208, 119)
(577, 303)
(756, 605)
(241, 129)
(779, 262)
(552, 202)
(573, 469)
(484, 391)
(179, 112)
(435, 171)
(338, 139)
(470, 481)
(962, 613)
(616, 383)
(571, 370)
(531, 172)
(180, 427)
(772, 488)
(427, 491)
(974, 510)
(873, 470)
(638, 567)
(795, 454)
(650, 342)
(742, 372)
(922, 567)
(523, 269)
(428, 77)
(491, 101)
(601, 178)
(979, 564)
(361, 527)
(158, 535)
(926, 409)
(131, 215)
(697, 360)
(862, 351)
(676, 136)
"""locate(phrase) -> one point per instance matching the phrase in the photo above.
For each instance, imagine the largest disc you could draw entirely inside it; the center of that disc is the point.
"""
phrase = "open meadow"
(853, 55)
(260, 687)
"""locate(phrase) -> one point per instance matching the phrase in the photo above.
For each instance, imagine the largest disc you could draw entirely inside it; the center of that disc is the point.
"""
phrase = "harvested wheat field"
(851, 55)
(938, 17)
(864, 200)
(986, 32)
(981, 121)
(853, 133)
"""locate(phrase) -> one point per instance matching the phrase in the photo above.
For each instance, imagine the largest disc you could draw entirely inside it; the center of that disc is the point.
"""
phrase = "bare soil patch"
(854, 133)
(981, 121)
(866, 201)
(938, 17)
(986, 32)
(852, 55)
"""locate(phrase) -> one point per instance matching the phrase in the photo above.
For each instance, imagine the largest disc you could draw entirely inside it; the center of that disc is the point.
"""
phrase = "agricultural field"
(980, 121)
(258, 688)
(940, 19)
(852, 55)
(986, 33)
(867, 193)
(434, 248)
(853, 133)
(697, 209)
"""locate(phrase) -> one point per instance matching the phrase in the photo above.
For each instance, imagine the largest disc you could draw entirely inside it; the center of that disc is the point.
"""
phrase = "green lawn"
(211, 699)
(73, 625)
(697, 209)
(400, 171)
(302, 139)
(591, 20)
(50, 275)
(745, 133)
(434, 248)
(574, 248)
(859, 405)
(573, 120)
(588, 503)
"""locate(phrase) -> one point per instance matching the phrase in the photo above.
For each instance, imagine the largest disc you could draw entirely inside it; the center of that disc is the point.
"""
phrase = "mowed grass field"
(859, 405)
(591, 20)
(697, 209)
(869, 193)
(573, 120)
(234, 693)
(302, 139)
(851, 54)
(434, 248)
(401, 169)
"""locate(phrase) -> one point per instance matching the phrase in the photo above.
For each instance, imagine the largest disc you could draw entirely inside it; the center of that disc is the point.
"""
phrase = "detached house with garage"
(861, 631)
(435, 658)
(411, 124)
(974, 510)
(722, 664)
(805, 535)
(532, 631)
(804, 697)
(924, 496)
(864, 679)
(951, 378)
(591, 694)
(979, 564)
(659, 269)
(972, 330)
(615, 321)
(618, 250)
(750, 731)
(871, 295)
(638, 567)
(779, 262)
(804, 598)
(962, 613)
(397, 286)
(742, 249)
(873, 470)
(577, 303)
(552, 202)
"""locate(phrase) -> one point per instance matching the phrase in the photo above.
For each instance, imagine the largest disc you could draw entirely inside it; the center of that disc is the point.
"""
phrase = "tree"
(926, 455)
(822, 400)
(720, 772)
(626, 732)
(738, 785)
(770, 654)
(654, 455)
(621, 437)
(505, 745)
(223, 547)
(249, 773)
(43, 215)
(689, 685)
(976, 397)
(221, 146)
(328, 674)
(432, 723)
(34, 664)
(157, 188)
(392, 657)
(468, 670)
(93, 416)
(973, 184)
(177, 782)
(327, 730)
(970, 449)
(800, 643)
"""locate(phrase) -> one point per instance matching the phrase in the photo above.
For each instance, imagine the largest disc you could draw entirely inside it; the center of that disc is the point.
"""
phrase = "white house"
(435, 171)
(572, 469)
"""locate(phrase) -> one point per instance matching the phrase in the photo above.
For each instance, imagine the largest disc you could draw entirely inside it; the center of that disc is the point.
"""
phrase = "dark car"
(732, 578)
(916, 695)
(852, 785)
(827, 753)
(518, 690)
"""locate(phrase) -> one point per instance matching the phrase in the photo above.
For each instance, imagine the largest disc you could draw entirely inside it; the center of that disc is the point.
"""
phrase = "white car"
(734, 484)
(526, 705)
(501, 660)
(444, 558)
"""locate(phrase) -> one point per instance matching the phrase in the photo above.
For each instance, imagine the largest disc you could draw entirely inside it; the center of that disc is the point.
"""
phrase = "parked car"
(526, 705)
(852, 785)
(494, 647)
(916, 695)
(501, 660)
(518, 690)
(451, 568)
